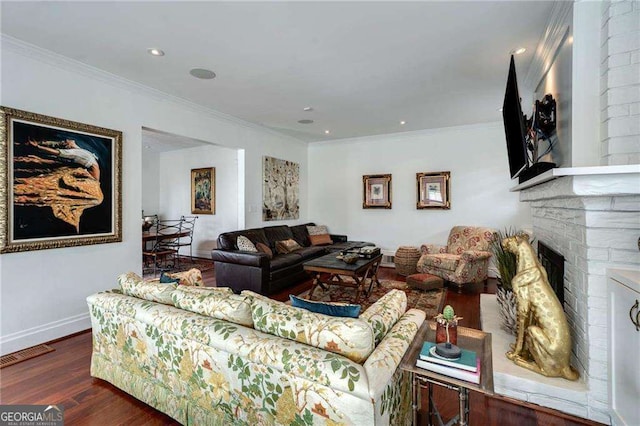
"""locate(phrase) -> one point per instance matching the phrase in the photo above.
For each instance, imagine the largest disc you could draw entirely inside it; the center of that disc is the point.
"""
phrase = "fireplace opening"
(553, 263)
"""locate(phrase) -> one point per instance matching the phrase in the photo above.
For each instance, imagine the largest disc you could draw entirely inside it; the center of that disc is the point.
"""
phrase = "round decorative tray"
(350, 258)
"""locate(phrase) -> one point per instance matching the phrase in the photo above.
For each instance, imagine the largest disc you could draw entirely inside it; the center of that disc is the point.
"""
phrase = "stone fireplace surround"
(591, 215)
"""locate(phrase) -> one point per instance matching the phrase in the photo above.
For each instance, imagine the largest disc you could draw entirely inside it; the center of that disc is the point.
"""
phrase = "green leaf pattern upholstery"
(385, 312)
(351, 337)
(204, 370)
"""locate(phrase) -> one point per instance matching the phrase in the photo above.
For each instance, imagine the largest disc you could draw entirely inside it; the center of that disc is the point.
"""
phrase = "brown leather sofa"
(243, 270)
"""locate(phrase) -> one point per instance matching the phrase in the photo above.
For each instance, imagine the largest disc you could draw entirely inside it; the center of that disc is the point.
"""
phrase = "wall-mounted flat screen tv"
(514, 124)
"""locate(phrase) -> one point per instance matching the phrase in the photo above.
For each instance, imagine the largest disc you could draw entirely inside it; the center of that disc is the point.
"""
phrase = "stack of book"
(466, 368)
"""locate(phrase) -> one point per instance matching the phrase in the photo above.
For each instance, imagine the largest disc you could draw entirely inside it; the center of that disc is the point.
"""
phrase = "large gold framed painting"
(280, 189)
(60, 182)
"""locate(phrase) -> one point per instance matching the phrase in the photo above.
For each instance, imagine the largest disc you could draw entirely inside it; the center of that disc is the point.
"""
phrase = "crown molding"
(554, 35)
(59, 61)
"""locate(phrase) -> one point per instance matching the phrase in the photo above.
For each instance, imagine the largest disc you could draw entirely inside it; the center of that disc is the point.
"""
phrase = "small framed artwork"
(60, 182)
(376, 192)
(203, 190)
(433, 190)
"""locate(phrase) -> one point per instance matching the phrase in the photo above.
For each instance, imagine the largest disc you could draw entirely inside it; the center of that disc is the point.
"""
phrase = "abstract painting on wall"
(203, 190)
(280, 189)
(60, 182)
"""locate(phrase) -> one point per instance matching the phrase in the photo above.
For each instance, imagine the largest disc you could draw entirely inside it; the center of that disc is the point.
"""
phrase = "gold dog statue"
(542, 329)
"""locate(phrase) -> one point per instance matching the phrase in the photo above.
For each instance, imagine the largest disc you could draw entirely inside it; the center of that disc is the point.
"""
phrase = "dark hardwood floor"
(62, 377)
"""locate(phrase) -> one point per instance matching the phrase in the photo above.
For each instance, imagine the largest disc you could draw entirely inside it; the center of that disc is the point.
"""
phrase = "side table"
(468, 338)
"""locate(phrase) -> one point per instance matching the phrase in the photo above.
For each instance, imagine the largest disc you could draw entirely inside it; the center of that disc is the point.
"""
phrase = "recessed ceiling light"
(155, 51)
(402, 123)
(202, 73)
(327, 132)
(518, 51)
(305, 121)
(307, 109)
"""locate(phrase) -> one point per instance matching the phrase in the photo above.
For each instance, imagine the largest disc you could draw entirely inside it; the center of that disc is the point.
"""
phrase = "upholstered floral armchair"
(465, 258)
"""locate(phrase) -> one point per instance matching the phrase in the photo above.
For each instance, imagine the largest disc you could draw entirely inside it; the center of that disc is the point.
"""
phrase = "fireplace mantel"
(629, 174)
(590, 215)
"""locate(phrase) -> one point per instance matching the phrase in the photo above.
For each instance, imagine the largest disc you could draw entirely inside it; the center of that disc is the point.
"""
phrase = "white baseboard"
(203, 254)
(44, 333)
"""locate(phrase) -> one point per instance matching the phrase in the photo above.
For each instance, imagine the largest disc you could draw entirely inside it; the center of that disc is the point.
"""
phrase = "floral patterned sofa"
(206, 356)
(465, 258)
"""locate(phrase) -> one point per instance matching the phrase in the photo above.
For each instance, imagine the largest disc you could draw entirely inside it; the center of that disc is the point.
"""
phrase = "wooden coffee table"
(363, 271)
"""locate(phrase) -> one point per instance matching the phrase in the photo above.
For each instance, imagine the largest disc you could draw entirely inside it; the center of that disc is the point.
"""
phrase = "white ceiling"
(362, 66)
(154, 141)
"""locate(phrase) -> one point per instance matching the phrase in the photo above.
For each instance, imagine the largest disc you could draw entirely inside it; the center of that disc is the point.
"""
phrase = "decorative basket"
(406, 259)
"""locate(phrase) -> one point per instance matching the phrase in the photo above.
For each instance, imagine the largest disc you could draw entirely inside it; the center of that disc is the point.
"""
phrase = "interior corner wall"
(44, 292)
(175, 192)
(475, 155)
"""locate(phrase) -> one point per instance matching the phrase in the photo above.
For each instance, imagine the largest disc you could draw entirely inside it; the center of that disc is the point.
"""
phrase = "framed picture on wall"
(433, 190)
(203, 190)
(60, 182)
(280, 189)
(376, 191)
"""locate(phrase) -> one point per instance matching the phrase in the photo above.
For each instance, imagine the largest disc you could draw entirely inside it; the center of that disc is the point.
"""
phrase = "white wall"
(585, 82)
(43, 292)
(475, 155)
(175, 192)
(150, 182)
(557, 82)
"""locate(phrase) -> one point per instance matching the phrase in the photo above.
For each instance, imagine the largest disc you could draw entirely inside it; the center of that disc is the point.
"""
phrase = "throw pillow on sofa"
(133, 285)
(263, 248)
(334, 309)
(318, 230)
(287, 246)
(245, 244)
(320, 240)
(221, 304)
(319, 235)
(385, 312)
(351, 337)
